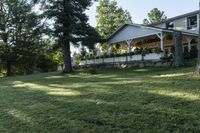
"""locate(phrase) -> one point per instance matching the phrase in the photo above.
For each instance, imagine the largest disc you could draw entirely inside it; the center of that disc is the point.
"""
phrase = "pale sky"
(140, 8)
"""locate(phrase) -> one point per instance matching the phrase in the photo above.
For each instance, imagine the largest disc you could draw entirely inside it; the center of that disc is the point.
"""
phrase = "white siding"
(181, 24)
(131, 32)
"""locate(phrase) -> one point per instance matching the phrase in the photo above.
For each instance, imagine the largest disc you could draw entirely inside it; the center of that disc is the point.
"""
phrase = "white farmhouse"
(154, 37)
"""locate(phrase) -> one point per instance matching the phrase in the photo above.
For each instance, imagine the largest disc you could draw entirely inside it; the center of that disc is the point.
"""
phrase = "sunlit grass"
(176, 94)
(148, 100)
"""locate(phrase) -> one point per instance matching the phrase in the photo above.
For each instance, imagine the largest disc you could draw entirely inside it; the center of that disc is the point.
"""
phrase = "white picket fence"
(151, 56)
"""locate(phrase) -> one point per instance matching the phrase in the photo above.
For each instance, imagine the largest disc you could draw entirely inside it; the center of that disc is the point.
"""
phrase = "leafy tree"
(22, 26)
(70, 25)
(110, 17)
(58, 58)
(154, 16)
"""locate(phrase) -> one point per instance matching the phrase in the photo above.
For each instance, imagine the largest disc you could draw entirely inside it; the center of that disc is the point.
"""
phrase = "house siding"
(130, 32)
(181, 24)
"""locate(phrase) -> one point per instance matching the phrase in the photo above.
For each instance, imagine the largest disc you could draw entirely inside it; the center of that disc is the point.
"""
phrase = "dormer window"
(192, 22)
(170, 25)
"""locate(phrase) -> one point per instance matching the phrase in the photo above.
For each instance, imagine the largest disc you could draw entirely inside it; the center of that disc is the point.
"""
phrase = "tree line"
(38, 34)
(35, 29)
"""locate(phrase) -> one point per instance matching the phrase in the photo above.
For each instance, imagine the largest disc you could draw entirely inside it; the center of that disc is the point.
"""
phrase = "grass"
(149, 100)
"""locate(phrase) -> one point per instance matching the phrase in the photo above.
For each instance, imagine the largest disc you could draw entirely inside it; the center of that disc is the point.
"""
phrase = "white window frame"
(189, 26)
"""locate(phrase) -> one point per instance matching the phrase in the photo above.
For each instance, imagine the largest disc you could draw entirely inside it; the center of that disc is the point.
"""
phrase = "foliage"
(158, 50)
(105, 48)
(22, 38)
(92, 71)
(154, 16)
(137, 51)
(58, 58)
(46, 64)
(70, 25)
(110, 17)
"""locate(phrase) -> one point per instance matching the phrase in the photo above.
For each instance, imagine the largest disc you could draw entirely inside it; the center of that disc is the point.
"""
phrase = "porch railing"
(151, 56)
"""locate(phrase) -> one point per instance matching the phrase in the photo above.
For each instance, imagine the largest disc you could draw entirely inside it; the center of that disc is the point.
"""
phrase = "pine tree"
(110, 17)
(155, 16)
(70, 25)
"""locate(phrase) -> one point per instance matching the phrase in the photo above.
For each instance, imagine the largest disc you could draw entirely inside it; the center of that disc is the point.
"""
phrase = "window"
(192, 22)
(170, 25)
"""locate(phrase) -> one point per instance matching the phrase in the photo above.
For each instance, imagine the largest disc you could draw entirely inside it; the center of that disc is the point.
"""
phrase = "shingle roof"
(150, 27)
(138, 25)
(177, 17)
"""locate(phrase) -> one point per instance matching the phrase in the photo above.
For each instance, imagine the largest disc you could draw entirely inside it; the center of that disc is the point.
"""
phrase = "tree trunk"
(8, 67)
(179, 59)
(67, 58)
(198, 58)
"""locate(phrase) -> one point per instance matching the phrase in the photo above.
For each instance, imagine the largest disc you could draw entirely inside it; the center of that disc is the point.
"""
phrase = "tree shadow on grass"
(148, 113)
(112, 102)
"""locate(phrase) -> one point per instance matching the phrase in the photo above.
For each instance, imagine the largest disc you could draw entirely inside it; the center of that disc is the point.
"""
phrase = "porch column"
(129, 45)
(161, 36)
(110, 49)
(189, 39)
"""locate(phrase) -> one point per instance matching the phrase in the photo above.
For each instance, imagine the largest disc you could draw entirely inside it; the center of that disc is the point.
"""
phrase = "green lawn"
(149, 100)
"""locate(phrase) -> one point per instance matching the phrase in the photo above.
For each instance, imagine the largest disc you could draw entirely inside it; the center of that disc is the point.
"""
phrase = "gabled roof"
(138, 31)
(141, 26)
(177, 17)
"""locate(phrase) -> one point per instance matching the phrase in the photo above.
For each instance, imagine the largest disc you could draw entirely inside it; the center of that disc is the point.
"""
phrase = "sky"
(139, 8)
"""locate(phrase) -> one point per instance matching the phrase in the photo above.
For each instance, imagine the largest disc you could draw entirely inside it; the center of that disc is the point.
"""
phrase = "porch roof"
(135, 31)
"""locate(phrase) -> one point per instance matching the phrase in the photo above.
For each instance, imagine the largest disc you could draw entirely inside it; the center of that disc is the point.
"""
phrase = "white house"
(155, 36)
(186, 22)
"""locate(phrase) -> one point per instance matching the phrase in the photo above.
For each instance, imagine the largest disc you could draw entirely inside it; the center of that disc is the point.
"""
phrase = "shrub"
(158, 51)
(145, 51)
(92, 71)
(46, 64)
(187, 55)
(137, 51)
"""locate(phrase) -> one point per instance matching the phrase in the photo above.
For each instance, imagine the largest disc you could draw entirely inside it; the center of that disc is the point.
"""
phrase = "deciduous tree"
(22, 27)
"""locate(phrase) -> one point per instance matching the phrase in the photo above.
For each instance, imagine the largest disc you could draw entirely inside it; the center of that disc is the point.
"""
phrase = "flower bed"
(139, 57)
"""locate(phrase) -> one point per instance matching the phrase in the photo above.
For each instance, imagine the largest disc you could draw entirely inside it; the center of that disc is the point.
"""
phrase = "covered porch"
(132, 42)
(137, 39)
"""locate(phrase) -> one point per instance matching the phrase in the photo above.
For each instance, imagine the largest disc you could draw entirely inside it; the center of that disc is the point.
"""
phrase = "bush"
(137, 51)
(92, 71)
(145, 51)
(158, 51)
(46, 64)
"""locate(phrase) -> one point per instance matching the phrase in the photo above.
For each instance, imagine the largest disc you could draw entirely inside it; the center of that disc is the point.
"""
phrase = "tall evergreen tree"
(154, 16)
(70, 25)
(110, 17)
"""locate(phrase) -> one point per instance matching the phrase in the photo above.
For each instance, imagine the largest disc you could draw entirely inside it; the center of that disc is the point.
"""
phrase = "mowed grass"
(149, 100)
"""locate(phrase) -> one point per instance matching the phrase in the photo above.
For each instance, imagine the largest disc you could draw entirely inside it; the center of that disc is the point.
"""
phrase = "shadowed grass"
(129, 100)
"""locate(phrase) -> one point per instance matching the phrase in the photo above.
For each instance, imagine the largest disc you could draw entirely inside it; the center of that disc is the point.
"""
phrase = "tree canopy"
(23, 30)
(27, 23)
(110, 17)
(70, 25)
(154, 16)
